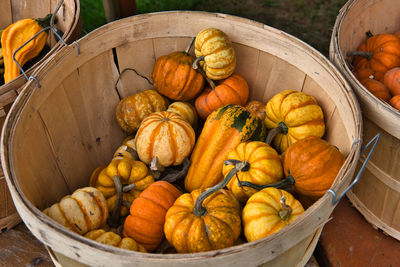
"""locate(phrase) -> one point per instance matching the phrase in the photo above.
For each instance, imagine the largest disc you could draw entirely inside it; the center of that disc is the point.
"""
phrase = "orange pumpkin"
(377, 88)
(145, 224)
(233, 90)
(174, 77)
(256, 108)
(131, 110)
(204, 220)
(380, 53)
(165, 135)
(391, 79)
(395, 102)
(313, 163)
(268, 211)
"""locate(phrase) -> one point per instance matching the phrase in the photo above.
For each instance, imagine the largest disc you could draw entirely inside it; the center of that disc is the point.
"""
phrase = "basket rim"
(20, 102)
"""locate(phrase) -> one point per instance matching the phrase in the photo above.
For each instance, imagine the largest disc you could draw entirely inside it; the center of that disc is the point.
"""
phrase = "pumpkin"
(215, 53)
(268, 211)
(256, 108)
(313, 163)
(362, 74)
(130, 172)
(81, 212)
(380, 53)
(293, 116)
(14, 36)
(145, 224)
(377, 88)
(186, 110)
(204, 220)
(174, 77)
(391, 79)
(165, 135)
(131, 110)
(112, 239)
(264, 167)
(127, 149)
(223, 130)
(233, 90)
(395, 102)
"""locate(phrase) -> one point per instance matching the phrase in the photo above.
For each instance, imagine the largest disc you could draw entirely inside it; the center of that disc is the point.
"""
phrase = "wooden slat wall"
(5, 13)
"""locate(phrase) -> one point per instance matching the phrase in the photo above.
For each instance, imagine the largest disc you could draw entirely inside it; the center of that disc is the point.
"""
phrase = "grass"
(309, 20)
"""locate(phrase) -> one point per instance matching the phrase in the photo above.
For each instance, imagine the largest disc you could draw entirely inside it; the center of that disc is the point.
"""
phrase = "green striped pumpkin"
(223, 130)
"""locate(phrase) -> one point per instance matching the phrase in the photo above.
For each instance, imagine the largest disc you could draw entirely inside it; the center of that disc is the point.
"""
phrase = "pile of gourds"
(249, 166)
(376, 64)
(13, 37)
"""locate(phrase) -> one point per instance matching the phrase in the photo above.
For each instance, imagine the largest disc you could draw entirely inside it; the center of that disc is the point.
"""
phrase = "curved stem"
(369, 34)
(367, 55)
(190, 45)
(196, 67)
(128, 187)
(114, 220)
(286, 210)
(199, 210)
(288, 181)
(282, 128)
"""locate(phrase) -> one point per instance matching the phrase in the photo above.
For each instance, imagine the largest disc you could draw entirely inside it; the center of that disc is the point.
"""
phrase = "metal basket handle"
(58, 37)
(373, 140)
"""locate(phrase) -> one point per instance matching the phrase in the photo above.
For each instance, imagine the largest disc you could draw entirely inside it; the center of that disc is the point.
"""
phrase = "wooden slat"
(5, 14)
(3, 197)
(167, 45)
(30, 9)
(246, 56)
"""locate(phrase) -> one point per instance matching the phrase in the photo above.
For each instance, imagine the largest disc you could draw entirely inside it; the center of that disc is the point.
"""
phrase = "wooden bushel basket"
(54, 136)
(377, 194)
(68, 22)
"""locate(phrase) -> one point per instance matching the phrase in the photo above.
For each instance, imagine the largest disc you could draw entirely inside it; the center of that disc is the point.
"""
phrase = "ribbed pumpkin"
(256, 108)
(395, 102)
(377, 88)
(380, 53)
(129, 171)
(165, 135)
(265, 167)
(204, 219)
(233, 90)
(268, 211)
(112, 239)
(145, 224)
(214, 47)
(174, 77)
(223, 130)
(131, 110)
(314, 164)
(81, 212)
(294, 115)
(391, 79)
(186, 110)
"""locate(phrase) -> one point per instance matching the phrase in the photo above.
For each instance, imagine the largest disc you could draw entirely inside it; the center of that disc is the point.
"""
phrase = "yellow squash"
(112, 239)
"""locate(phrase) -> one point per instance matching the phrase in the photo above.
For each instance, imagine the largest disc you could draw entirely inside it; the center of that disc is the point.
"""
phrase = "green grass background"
(309, 20)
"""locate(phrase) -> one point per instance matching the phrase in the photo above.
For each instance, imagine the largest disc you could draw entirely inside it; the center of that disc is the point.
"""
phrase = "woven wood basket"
(68, 22)
(56, 135)
(377, 194)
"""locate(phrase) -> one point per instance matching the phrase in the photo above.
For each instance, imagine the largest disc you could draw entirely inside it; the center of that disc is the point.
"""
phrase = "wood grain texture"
(91, 78)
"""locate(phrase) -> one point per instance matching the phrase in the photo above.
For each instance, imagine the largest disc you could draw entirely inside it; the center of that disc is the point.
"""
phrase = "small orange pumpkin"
(395, 102)
(313, 163)
(391, 79)
(174, 77)
(145, 224)
(377, 88)
(233, 90)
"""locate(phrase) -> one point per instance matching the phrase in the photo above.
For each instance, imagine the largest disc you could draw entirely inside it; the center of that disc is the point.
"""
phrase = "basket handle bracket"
(374, 140)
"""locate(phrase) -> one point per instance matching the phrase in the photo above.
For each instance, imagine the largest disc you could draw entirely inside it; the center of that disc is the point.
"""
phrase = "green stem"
(115, 216)
(199, 210)
(196, 67)
(128, 187)
(44, 22)
(288, 181)
(367, 55)
(282, 128)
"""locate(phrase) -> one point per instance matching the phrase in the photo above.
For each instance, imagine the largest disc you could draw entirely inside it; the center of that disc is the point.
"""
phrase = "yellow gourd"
(14, 36)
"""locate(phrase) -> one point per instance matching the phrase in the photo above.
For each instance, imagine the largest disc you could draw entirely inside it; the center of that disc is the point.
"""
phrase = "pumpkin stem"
(175, 175)
(367, 55)
(287, 181)
(115, 216)
(190, 45)
(199, 210)
(196, 67)
(129, 187)
(282, 128)
(156, 168)
(44, 22)
(286, 210)
(126, 203)
(369, 34)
